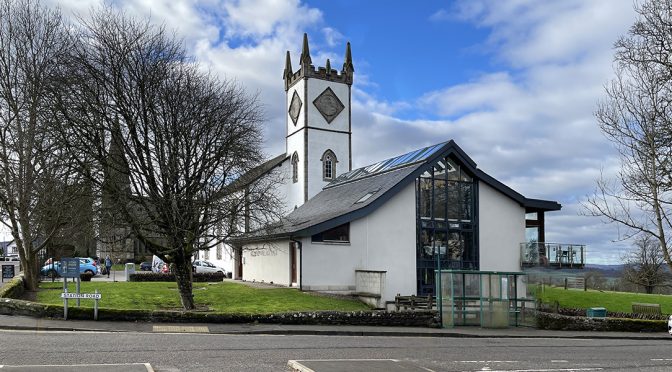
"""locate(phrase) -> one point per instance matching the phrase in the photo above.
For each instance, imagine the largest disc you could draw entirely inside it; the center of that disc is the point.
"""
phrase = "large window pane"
(453, 201)
(467, 200)
(439, 199)
(425, 196)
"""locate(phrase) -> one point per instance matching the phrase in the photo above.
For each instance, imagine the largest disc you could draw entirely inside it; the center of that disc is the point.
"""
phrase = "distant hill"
(605, 267)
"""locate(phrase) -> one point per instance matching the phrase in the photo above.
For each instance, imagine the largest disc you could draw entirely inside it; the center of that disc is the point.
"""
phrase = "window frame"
(329, 158)
(295, 167)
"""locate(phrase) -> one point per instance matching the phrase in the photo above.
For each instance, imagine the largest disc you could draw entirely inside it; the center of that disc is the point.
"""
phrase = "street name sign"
(95, 296)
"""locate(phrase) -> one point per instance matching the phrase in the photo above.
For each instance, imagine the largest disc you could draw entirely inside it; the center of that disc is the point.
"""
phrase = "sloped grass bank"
(618, 302)
(221, 298)
(216, 303)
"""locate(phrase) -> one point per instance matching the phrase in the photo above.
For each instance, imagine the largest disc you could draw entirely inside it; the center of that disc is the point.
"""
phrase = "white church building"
(378, 229)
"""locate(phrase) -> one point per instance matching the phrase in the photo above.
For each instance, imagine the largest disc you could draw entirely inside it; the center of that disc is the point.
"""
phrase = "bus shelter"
(488, 299)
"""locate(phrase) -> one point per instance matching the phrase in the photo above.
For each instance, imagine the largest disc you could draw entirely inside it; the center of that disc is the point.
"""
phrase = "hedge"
(169, 277)
(13, 289)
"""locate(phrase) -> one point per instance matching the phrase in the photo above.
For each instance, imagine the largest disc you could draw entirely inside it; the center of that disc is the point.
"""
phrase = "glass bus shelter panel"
(486, 299)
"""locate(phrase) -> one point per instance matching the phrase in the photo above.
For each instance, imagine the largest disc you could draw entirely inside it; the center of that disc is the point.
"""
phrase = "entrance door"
(238, 259)
(292, 260)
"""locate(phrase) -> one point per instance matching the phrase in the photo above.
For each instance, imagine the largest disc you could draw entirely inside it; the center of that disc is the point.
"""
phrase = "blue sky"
(514, 83)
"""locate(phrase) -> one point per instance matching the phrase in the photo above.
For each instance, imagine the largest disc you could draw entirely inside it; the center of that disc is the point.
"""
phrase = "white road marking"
(559, 361)
(487, 361)
(548, 370)
(146, 365)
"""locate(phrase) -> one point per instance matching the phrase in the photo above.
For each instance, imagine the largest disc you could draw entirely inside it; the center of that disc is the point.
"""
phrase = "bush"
(208, 277)
(13, 289)
(166, 277)
(85, 277)
(152, 277)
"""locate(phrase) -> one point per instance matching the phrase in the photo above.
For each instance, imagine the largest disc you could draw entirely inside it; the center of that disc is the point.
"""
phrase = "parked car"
(207, 267)
(86, 265)
(146, 266)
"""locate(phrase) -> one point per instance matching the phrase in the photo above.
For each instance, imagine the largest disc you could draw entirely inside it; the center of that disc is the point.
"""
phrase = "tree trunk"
(30, 272)
(183, 278)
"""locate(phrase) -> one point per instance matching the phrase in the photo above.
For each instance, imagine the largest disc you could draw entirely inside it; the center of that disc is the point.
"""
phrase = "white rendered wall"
(299, 89)
(384, 240)
(332, 136)
(501, 229)
(268, 262)
(226, 262)
(318, 143)
(315, 119)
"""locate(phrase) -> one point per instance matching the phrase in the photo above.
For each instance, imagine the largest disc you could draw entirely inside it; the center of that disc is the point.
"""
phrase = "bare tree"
(34, 179)
(636, 116)
(180, 141)
(644, 265)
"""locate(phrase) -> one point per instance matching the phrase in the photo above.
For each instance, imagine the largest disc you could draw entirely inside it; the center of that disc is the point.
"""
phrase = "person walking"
(108, 265)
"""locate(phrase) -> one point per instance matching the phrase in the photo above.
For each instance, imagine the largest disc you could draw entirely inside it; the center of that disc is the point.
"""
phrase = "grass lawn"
(612, 301)
(230, 298)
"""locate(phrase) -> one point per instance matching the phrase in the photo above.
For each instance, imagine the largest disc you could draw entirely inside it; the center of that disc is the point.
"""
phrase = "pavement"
(15, 322)
(25, 323)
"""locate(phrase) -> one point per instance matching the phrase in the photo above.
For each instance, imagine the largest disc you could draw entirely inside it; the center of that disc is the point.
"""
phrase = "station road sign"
(94, 296)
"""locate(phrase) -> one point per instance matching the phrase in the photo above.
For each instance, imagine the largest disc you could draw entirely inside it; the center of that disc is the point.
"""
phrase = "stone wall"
(580, 323)
(363, 318)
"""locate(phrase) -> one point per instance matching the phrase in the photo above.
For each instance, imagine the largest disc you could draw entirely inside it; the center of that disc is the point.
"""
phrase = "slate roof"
(338, 202)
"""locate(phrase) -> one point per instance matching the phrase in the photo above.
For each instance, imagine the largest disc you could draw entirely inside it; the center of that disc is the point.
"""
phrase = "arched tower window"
(295, 167)
(329, 165)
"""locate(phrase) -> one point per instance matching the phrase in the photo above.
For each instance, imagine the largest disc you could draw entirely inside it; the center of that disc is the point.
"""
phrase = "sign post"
(91, 296)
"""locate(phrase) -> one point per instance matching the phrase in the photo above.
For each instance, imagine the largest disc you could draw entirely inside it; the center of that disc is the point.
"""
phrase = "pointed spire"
(288, 67)
(347, 65)
(328, 67)
(305, 53)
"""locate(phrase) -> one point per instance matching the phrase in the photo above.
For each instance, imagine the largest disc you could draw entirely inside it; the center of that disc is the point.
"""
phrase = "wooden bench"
(641, 308)
(413, 302)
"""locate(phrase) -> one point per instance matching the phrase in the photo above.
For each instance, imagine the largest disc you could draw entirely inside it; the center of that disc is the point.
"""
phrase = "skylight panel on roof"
(388, 164)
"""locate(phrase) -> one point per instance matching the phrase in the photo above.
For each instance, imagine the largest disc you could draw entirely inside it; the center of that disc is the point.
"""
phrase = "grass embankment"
(226, 298)
(612, 301)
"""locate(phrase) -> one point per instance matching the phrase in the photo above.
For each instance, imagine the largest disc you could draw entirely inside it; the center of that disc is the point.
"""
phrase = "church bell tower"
(319, 123)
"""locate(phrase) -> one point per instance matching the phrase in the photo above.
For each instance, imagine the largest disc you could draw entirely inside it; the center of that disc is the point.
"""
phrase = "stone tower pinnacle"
(305, 53)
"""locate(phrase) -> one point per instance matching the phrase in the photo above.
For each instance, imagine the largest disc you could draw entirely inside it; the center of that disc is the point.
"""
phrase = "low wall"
(579, 323)
(13, 288)
(366, 318)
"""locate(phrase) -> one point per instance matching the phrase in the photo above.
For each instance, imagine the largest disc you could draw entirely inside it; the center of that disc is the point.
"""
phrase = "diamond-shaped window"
(295, 107)
(328, 105)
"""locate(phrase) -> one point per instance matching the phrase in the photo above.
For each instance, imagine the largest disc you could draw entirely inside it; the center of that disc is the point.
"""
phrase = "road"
(216, 352)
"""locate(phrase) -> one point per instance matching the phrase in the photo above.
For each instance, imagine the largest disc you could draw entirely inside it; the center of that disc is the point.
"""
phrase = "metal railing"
(558, 255)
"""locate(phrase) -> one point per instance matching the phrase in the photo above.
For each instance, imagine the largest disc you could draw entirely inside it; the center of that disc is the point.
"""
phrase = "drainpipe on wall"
(300, 247)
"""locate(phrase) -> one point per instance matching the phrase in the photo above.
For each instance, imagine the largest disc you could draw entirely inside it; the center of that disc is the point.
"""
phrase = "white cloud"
(440, 15)
(261, 18)
(332, 37)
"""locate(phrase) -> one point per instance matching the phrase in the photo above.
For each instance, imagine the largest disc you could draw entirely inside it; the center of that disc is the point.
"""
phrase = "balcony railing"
(554, 255)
